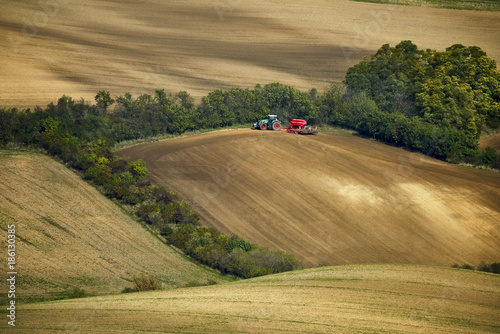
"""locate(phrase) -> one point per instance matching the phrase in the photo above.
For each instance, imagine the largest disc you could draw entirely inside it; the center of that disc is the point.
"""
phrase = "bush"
(78, 293)
(489, 267)
(166, 230)
(233, 255)
(463, 266)
(146, 283)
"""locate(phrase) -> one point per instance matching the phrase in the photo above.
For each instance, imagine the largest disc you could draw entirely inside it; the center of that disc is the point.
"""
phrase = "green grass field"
(487, 5)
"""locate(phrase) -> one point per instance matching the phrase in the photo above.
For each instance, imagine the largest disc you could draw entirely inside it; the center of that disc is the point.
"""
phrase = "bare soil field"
(70, 236)
(332, 198)
(55, 47)
(344, 299)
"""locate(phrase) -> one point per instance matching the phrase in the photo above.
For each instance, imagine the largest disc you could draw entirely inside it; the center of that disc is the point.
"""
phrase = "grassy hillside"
(332, 198)
(77, 48)
(345, 299)
(70, 236)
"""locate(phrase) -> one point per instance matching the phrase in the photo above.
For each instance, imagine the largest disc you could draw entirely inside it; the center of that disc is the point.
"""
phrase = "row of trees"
(230, 255)
(63, 127)
(150, 115)
(82, 135)
(434, 102)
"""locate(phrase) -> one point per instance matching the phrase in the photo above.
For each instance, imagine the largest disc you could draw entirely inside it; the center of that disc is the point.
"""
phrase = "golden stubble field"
(55, 47)
(70, 236)
(332, 198)
(344, 299)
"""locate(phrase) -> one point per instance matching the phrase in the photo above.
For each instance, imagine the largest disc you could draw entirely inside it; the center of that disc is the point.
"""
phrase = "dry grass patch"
(353, 299)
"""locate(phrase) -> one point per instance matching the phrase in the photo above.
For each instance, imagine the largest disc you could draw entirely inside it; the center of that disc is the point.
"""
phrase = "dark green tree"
(104, 100)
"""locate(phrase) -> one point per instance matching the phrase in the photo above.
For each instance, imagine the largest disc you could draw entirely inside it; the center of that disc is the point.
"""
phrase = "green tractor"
(271, 122)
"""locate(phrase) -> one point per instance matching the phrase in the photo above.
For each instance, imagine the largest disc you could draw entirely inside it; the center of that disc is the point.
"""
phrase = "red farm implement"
(300, 126)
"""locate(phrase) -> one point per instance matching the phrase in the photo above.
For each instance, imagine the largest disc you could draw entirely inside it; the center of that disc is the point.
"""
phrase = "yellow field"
(55, 47)
(344, 299)
(70, 236)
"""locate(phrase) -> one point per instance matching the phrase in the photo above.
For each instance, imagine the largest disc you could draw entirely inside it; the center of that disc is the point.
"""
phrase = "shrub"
(236, 242)
(166, 230)
(78, 293)
(162, 195)
(463, 266)
(489, 267)
(138, 168)
(146, 283)
(147, 210)
(233, 255)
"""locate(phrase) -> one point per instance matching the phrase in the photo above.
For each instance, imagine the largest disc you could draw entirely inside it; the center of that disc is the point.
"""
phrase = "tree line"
(437, 103)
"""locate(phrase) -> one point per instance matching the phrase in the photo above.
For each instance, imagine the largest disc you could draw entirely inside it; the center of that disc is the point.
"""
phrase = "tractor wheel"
(263, 126)
(276, 126)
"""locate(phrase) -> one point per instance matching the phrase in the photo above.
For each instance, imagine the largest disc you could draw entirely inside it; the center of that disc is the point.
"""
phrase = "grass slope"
(345, 299)
(69, 235)
(332, 198)
(78, 48)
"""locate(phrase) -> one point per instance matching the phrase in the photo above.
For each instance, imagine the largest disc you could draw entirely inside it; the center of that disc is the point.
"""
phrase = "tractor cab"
(272, 118)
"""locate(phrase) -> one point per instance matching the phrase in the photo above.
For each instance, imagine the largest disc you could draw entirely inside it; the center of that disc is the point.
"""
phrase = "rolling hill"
(332, 198)
(78, 48)
(345, 299)
(70, 236)
(329, 199)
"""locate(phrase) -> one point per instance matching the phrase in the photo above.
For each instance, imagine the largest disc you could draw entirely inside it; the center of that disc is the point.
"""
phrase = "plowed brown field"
(332, 198)
(55, 47)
